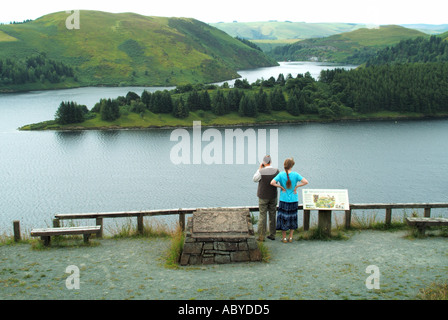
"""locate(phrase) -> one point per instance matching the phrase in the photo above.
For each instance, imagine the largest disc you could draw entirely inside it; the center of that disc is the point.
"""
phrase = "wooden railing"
(389, 206)
(323, 214)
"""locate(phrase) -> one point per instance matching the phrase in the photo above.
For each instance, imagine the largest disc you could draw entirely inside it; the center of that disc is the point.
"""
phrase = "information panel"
(325, 199)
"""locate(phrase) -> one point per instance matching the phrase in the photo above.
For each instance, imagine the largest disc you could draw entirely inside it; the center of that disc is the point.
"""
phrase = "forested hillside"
(434, 49)
(417, 87)
(37, 68)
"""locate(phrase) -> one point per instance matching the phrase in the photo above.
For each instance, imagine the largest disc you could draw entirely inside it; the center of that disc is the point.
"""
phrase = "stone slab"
(219, 235)
(220, 221)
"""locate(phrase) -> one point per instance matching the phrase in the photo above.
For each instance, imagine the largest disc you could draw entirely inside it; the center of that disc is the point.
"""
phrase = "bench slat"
(123, 214)
(65, 231)
(427, 221)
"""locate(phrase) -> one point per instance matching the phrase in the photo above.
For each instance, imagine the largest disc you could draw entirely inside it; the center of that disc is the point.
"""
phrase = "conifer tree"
(262, 102)
(278, 101)
(194, 101)
(180, 110)
(109, 110)
(206, 104)
(70, 112)
(146, 98)
(248, 107)
(293, 106)
(219, 105)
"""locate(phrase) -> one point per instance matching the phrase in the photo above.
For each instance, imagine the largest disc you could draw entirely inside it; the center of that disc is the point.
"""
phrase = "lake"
(44, 173)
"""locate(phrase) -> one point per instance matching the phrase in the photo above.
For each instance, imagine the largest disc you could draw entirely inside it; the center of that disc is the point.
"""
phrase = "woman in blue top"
(288, 181)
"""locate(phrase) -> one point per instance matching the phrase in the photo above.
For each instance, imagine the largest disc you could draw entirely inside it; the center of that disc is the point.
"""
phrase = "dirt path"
(133, 269)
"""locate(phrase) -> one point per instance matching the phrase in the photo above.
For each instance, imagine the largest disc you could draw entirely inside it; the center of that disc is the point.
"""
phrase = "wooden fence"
(324, 215)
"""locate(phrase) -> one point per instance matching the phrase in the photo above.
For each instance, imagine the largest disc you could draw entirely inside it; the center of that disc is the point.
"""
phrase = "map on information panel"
(325, 199)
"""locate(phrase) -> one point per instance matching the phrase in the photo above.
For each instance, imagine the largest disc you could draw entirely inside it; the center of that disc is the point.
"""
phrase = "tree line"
(71, 112)
(411, 87)
(33, 69)
(18, 22)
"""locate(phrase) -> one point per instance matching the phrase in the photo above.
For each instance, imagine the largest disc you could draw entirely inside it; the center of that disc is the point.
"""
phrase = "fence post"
(428, 212)
(324, 222)
(388, 216)
(140, 223)
(99, 222)
(182, 220)
(56, 223)
(306, 220)
(348, 218)
(16, 224)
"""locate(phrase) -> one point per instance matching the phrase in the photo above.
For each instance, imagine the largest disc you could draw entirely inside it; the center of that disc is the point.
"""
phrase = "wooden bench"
(46, 233)
(422, 223)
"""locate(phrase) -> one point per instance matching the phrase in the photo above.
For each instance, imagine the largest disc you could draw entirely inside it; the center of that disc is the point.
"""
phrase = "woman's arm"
(302, 183)
(276, 184)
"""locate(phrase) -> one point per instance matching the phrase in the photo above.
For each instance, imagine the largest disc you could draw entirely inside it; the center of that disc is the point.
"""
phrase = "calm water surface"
(43, 173)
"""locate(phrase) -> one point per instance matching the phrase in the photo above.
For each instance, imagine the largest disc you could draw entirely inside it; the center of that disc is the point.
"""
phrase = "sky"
(378, 12)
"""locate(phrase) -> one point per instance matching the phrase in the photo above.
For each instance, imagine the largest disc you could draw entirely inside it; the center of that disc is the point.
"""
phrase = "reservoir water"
(46, 172)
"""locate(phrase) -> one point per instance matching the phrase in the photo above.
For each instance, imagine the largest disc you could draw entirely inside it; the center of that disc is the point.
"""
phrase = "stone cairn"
(219, 236)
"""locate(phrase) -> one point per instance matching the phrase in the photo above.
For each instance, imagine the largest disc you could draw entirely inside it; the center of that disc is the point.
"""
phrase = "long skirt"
(287, 215)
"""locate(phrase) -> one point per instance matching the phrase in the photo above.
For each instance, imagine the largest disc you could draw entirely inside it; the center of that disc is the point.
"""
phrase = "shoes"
(290, 240)
(284, 240)
(270, 237)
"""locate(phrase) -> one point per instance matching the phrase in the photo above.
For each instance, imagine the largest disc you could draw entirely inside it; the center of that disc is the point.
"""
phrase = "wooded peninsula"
(378, 92)
(387, 87)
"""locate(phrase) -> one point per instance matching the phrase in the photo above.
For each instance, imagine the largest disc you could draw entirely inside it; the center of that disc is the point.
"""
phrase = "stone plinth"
(219, 236)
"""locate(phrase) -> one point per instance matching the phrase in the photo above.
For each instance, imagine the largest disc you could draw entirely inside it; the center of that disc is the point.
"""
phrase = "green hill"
(350, 47)
(130, 49)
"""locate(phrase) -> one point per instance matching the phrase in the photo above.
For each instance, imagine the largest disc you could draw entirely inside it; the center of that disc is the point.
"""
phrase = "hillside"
(444, 36)
(349, 47)
(130, 49)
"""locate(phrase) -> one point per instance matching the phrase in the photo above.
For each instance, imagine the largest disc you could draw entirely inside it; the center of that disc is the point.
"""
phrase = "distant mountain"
(275, 30)
(130, 49)
(350, 47)
(428, 28)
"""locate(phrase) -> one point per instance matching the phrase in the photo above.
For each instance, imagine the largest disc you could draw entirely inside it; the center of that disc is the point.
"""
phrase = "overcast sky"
(351, 11)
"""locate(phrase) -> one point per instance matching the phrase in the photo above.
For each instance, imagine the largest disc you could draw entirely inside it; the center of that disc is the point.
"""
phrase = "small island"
(385, 92)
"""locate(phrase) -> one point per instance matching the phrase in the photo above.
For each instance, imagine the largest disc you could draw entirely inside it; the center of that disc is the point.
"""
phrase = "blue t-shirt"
(289, 195)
